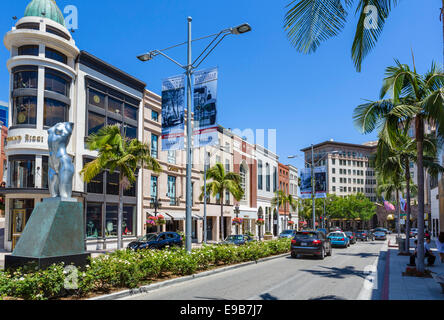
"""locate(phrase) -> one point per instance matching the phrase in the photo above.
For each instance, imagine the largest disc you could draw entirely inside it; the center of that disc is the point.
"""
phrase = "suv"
(311, 243)
(363, 235)
(157, 241)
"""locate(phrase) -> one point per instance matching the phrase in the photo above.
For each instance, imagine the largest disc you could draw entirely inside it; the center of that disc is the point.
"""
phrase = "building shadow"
(337, 273)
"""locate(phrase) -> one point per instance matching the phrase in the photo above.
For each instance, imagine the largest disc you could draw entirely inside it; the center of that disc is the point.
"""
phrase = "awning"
(180, 215)
(252, 215)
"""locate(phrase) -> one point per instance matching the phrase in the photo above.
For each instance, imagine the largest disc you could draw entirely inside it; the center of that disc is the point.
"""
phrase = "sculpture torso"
(61, 169)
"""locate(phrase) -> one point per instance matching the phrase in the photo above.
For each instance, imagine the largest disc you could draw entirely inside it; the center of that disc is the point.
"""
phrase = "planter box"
(268, 237)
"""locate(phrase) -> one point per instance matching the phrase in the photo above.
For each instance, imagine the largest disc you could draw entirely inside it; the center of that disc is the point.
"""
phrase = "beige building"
(168, 188)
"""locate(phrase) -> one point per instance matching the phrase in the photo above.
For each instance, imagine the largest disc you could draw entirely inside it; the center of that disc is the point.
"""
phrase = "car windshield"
(234, 237)
(287, 231)
(336, 234)
(148, 237)
(306, 235)
(349, 233)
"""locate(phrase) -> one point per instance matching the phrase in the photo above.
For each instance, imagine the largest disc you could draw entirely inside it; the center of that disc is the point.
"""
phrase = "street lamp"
(237, 211)
(155, 204)
(189, 67)
(313, 180)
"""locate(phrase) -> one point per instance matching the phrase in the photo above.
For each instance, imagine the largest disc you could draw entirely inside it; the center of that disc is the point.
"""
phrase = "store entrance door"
(18, 225)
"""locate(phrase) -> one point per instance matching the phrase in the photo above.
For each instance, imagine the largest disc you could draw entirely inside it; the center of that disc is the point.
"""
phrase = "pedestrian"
(440, 245)
(413, 255)
(427, 254)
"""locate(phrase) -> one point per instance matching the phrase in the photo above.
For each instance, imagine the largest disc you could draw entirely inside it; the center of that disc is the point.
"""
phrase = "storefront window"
(22, 171)
(25, 111)
(153, 187)
(172, 189)
(93, 220)
(21, 210)
(45, 183)
(115, 106)
(55, 112)
(96, 184)
(56, 82)
(26, 79)
(55, 55)
(129, 219)
(95, 122)
(154, 140)
(128, 222)
(111, 220)
(131, 132)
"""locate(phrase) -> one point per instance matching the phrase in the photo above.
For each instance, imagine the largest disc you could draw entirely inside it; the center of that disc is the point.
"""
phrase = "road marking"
(367, 287)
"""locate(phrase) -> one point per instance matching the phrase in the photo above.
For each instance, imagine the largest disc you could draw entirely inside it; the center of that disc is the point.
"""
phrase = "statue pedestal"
(54, 233)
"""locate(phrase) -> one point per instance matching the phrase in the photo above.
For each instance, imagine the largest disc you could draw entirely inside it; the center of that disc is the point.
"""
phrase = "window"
(128, 223)
(93, 220)
(57, 32)
(333, 161)
(334, 189)
(130, 132)
(45, 181)
(259, 175)
(172, 156)
(333, 170)
(130, 112)
(55, 112)
(57, 82)
(172, 189)
(26, 78)
(96, 99)
(243, 181)
(22, 171)
(154, 147)
(96, 184)
(112, 183)
(95, 122)
(115, 106)
(227, 165)
(24, 112)
(155, 116)
(55, 55)
(154, 186)
(28, 51)
(29, 25)
(333, 179)
(274, 179)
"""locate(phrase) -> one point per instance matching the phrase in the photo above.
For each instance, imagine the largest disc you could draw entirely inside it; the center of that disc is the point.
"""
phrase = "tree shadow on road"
(267, 296)
(209, 298)
(360, 254)
(338, 273)
(330, 297)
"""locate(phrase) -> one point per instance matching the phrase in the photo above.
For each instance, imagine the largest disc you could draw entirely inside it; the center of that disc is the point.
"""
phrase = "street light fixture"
(189, 67)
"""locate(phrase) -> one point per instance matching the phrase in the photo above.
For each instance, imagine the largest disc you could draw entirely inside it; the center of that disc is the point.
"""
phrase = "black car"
(237, 239)
(363, 235)
(311, 243)
(157, 241)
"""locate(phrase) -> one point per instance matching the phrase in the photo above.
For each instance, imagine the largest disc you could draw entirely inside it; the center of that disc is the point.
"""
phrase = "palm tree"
(222, 182)
(310, 22)
(414, 97)
(283, 200)
(118, 153)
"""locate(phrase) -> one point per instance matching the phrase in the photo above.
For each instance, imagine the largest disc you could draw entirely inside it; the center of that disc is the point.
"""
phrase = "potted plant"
(237, 221)
(260, 222)
(291, 224)
(268, 235)
(161, 220)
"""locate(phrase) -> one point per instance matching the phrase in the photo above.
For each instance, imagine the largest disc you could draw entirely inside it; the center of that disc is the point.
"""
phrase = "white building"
(293, 191)
(52, 81)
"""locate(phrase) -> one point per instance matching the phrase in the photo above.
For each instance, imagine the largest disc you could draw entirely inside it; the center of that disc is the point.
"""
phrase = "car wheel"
(294, 255)
(322, 255)
(330, 252)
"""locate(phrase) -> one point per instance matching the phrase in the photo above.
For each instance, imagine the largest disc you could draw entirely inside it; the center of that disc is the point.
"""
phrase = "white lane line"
(371, 281)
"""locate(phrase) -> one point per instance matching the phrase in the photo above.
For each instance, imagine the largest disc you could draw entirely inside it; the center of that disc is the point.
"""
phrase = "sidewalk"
(401, 287)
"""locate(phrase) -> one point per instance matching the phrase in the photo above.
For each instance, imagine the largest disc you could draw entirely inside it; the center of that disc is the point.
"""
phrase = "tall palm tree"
(414, 97)
(282, 200)
(220, 183)
(310, 22)
(117, 153)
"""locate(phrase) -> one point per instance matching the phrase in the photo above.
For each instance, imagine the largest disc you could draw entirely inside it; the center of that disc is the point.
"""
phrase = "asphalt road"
(341, 276)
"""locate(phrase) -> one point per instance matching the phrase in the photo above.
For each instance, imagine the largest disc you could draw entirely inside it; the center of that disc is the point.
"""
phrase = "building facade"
(284, 186)
(52, 81)
(293, 191)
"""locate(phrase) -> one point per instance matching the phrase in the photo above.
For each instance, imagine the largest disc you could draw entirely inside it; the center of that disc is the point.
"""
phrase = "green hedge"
(129, 269)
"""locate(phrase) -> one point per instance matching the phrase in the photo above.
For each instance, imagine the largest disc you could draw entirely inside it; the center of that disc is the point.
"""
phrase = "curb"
(386, 283)
(167, 283)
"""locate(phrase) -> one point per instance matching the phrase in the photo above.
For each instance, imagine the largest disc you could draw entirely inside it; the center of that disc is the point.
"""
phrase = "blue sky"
(263, 82)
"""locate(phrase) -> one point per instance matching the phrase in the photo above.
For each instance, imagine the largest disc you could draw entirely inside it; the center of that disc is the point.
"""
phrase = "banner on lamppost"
(320, 182)
(173, 113)
(305, 188)
(205, 108)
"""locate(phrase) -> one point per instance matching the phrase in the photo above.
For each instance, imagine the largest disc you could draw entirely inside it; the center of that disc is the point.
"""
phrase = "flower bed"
(129, 269)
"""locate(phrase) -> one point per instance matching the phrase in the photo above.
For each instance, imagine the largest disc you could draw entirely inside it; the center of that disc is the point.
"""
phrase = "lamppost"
(237, 211)
(313, 180)
(155, 204)
(189, 67)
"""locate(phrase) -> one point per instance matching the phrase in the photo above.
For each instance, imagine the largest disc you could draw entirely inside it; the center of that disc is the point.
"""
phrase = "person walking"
(440, 245)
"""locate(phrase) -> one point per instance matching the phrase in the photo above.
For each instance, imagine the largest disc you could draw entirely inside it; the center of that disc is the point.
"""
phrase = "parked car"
(351, 236)
(363, 235)
(380, 235)
(287, 234)
(382, 229)
(413, 232)
(339, 238)
(323, 230)
(335, 229)
(311, 243)
(238, 239)
(157, 241)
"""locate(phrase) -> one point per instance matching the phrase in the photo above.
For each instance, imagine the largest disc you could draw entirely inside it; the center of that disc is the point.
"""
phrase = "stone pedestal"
(54, 233)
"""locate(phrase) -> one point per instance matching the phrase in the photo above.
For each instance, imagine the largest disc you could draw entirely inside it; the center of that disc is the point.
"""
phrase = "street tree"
(117, 153)
(283, 200)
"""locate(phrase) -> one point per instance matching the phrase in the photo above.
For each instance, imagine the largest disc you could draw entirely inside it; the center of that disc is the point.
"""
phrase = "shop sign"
(25, 138)
(174, 169)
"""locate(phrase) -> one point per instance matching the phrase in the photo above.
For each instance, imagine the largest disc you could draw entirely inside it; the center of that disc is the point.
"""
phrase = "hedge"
(128, 269)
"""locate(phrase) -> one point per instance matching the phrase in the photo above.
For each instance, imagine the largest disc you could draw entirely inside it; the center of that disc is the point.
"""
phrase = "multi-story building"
(348, 167)
(293, 191)
(168, 188)
(284, 182)
(52, 81)
(267, 164)
(4, 113)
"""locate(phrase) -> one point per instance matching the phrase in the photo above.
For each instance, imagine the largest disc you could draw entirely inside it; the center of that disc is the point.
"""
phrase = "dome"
(46, 9)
